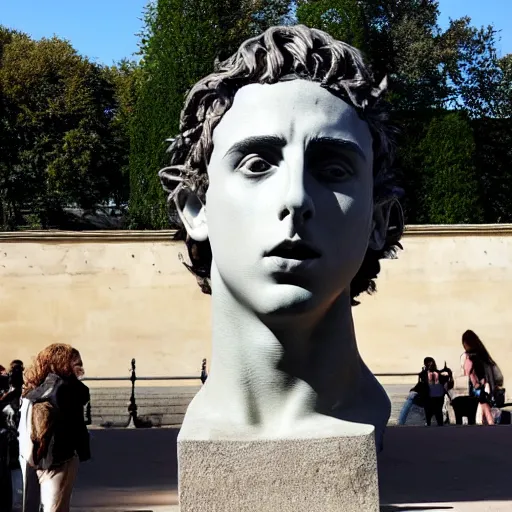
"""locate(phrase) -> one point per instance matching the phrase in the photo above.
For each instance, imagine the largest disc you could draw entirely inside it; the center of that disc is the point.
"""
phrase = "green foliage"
(493, 138)
(74, 132)
(342, 19)
(62, 143)
(473, 68)
(431, 72)
(450, 189)
(179, 44)
(505, 87)
(399, 39)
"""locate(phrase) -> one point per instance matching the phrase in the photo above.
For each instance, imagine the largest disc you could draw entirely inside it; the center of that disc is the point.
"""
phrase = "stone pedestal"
(334, 474)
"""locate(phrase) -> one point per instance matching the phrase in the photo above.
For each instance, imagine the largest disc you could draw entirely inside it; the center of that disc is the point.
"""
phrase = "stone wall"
(112, 295)
(118, 295)
(445, 281)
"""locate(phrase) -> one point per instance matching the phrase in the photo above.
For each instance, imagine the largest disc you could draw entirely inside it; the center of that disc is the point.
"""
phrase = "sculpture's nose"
(297, 201)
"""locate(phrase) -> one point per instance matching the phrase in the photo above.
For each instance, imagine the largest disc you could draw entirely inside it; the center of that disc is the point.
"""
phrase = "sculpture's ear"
(388, 224)
(189, 206)
(192, 213)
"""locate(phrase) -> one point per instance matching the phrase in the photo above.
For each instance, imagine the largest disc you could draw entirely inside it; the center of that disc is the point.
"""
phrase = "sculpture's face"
(291, 162)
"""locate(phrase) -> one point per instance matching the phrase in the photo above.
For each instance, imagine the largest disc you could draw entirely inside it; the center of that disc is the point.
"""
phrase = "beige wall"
(440, 286)
(113, 299)
(121, 295)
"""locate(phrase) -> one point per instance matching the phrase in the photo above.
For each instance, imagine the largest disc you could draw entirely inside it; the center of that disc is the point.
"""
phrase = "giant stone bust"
(281, 176)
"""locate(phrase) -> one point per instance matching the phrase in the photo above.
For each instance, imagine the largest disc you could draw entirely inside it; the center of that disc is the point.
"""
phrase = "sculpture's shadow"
(419, 466)
(445, 465)
(406, 508)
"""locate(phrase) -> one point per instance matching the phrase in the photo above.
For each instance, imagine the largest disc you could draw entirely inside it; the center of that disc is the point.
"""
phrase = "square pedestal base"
(305, 475)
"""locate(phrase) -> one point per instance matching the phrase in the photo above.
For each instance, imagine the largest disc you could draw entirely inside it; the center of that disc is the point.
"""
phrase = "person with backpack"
(53, 434)
(484, 376)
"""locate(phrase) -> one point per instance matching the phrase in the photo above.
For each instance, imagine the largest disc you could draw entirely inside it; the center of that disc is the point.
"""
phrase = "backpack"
(494, 378)
(497, 376)
(447, 379)
(38, 417)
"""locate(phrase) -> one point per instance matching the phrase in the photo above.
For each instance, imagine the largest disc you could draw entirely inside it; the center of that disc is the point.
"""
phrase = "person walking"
(484, 376)
(52, 432)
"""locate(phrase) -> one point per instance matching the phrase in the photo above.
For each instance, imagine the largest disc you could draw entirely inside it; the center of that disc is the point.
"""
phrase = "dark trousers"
(465, 406)
(5, 473)
(5, 487)
(434, 407)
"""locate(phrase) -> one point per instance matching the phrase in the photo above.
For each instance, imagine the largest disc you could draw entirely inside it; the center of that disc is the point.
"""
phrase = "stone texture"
(304, 475)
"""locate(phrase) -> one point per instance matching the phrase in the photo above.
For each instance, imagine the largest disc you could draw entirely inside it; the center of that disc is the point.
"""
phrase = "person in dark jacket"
(416, 397)
(9, 419)
(433, 390)
(53, 432)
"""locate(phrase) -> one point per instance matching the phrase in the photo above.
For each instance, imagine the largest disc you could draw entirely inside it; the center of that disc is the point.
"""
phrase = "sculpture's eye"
(254, 165)
(335, 172)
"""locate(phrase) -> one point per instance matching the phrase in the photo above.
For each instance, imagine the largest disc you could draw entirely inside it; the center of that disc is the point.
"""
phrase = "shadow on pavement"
(448, 464)
(394, 508)
(418, 466)
(133, 467)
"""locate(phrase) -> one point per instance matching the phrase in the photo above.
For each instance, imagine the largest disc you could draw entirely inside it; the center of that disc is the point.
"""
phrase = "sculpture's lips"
(294, 250)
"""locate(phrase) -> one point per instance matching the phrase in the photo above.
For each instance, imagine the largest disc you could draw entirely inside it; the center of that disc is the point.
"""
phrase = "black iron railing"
(133, 418)
(396, 374)
(135, 421)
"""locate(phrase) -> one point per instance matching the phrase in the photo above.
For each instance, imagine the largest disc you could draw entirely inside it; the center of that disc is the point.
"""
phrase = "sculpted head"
(282, 175)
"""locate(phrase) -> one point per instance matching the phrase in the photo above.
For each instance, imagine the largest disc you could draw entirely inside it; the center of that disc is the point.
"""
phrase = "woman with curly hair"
(52, 432)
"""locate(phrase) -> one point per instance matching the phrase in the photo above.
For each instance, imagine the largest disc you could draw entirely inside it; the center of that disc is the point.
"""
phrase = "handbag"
(494, 379)
(497, 375)
(498, 397)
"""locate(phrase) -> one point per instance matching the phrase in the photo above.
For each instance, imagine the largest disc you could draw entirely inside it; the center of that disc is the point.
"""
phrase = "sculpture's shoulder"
(204, 422)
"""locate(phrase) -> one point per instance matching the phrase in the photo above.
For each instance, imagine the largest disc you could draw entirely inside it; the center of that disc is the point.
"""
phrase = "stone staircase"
(166, 406)
(160, 406)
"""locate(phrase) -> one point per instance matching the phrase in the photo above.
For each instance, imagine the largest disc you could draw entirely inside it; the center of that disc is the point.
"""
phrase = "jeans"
(406, 408)
(17, 490)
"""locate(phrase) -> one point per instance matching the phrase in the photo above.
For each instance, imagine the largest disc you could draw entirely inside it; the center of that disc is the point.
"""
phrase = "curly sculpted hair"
(57, 358)
(284, 53)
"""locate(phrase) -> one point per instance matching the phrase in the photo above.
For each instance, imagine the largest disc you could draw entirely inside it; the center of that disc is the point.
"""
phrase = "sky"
(105, 30)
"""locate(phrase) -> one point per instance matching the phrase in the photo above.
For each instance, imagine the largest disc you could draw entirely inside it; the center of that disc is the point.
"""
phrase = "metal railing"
(133, 420)
(396, 374)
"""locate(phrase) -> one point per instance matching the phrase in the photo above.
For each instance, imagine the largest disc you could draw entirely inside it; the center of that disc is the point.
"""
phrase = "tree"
(124, 78)
(450, 188)
(493, 139)
(342, 19)
(59, 111)
(505, 87)
(473, 68)
(9, 186)
(180, 42)
(398, 39)
(431, 72)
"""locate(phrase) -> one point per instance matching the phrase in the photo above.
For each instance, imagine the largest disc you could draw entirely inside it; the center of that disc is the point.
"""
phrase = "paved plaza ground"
(451, 468)
(460, 469)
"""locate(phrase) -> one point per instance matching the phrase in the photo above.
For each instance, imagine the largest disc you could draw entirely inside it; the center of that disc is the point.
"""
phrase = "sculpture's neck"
(278, 372)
